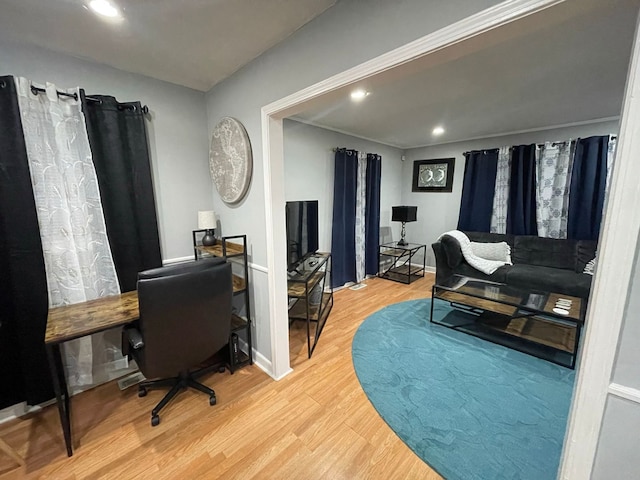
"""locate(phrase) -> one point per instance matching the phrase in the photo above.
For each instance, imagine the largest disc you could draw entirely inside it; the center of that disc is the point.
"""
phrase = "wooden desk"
(79, 320)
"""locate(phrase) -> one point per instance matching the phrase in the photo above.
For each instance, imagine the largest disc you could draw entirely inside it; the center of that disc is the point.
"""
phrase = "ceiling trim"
(470, 139)
(344, 132)
(518, 132)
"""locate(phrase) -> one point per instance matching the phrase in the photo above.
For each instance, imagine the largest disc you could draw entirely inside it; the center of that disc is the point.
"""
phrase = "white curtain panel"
(553, 178)
(501, 195)
(77, 256)
(611, 155)
(361, 203)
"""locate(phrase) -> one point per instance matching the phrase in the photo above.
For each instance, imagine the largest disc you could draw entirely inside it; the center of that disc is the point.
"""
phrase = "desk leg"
(59, 383)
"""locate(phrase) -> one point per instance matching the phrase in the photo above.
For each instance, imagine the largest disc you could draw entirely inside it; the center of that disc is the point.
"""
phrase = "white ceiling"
(195, 43)
(565, 65)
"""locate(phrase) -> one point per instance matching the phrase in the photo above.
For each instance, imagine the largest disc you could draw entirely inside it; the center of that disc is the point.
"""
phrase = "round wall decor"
(230, 161)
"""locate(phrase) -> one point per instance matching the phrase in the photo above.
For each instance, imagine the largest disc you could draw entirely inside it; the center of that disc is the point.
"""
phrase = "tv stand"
(311, 295)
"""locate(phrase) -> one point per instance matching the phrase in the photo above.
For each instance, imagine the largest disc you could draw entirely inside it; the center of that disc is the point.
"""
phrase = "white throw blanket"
(482, 264)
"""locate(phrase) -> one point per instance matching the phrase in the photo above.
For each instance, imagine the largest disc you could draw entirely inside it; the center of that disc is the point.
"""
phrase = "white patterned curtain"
(76, 250)
(501, 195)
(553, 178)
(611, 155)
(361, 203)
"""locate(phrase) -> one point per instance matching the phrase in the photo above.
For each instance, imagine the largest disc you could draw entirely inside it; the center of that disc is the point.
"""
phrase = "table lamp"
(404, 214)
(207, 221)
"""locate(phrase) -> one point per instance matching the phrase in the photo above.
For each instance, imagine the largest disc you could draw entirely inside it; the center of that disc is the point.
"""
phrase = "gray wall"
(177, 132)
(438, 212)
(619, 442)
(309, 171)
(344, 36)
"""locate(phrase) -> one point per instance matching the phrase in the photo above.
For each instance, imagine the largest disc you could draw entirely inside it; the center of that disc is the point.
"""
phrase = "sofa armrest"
(443, 271)
(452, 251)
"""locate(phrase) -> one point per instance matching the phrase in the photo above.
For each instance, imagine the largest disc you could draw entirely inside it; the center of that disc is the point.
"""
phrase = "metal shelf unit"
(234, 250)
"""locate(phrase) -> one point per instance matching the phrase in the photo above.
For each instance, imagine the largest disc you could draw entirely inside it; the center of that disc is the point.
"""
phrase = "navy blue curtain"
(343, 232)
(521, 211)
(478, 187)
(24, 370)
(588, 184)
(372, 221)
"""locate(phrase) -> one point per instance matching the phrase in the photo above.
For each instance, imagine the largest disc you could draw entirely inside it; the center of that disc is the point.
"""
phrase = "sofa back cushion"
(545, 252)
(485, 237)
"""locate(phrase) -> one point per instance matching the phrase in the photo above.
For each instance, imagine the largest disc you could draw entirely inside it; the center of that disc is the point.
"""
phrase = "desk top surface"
(81, 319)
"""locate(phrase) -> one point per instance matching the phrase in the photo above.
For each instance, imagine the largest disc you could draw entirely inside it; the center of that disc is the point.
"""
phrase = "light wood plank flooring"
(314, 424)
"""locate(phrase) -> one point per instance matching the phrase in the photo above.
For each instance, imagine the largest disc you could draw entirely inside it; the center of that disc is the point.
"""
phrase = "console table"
(396, 261)
(311, 295)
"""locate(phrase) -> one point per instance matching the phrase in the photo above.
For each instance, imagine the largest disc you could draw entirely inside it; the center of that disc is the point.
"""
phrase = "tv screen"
(302, 231)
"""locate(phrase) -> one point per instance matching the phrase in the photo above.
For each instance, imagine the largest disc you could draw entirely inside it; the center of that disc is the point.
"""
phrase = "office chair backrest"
(185, 315)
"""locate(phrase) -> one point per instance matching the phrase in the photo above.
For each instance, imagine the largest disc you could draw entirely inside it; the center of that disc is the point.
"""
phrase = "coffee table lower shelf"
(489, 326)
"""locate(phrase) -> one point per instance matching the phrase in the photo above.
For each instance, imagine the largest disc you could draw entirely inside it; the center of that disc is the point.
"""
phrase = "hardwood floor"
(314, 424)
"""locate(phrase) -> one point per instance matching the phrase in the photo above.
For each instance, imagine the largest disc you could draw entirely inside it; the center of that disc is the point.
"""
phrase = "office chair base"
(182, 382)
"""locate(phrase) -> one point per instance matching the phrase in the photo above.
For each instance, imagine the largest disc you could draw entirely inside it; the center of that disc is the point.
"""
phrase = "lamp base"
(402, 242)
(208, 240)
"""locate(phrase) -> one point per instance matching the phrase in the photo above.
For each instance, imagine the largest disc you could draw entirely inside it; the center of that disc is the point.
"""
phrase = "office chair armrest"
(134, 337)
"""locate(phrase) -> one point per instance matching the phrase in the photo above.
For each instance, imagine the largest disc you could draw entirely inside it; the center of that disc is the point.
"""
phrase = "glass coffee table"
(544, 324)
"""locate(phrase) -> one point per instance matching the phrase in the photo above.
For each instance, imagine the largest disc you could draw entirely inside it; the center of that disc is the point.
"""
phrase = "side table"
(396, 261)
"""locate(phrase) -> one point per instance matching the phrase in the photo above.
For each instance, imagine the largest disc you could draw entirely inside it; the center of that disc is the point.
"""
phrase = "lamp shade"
(404, 213)
(207, 220)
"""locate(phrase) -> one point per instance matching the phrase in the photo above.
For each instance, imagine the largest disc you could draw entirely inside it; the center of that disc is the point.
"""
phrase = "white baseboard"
(21, 409)
(628, 393)
(174, 261)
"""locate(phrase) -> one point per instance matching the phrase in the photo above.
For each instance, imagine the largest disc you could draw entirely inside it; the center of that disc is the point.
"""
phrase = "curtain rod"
(553, 144)
(335, 149)
(35, 90)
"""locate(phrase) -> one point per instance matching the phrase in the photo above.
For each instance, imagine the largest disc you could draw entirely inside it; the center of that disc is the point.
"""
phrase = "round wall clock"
(230, 161)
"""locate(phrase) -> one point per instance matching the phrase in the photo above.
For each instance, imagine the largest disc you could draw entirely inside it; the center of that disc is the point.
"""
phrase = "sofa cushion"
(549, 279)
(544, 252)
(585, 252)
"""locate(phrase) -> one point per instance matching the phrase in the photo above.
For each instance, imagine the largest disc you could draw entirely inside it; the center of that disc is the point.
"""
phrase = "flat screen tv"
(302, 231)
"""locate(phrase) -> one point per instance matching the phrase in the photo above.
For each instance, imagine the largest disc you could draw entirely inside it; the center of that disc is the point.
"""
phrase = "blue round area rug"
(469, 408)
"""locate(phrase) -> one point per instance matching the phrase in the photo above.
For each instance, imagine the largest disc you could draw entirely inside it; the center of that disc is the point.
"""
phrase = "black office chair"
(185, 318)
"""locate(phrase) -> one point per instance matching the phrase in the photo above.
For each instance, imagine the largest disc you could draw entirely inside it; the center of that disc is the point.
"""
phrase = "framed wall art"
(433, 175)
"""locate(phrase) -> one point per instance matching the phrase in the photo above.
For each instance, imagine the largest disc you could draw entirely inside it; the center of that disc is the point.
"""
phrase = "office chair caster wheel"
(221, 369)
(212, 400)
(142, 392)
(155, 420)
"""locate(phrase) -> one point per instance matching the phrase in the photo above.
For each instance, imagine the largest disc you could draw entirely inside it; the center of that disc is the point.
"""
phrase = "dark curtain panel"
(24, 371)
(118, 139)
(478, 187)
(521, 212)
(343, 231)
(372, 222)
(588, 184)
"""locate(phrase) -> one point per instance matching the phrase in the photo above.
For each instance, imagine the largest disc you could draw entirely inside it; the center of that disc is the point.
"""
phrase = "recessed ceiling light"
(104, 8)
(438, 131)
(359, 94)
